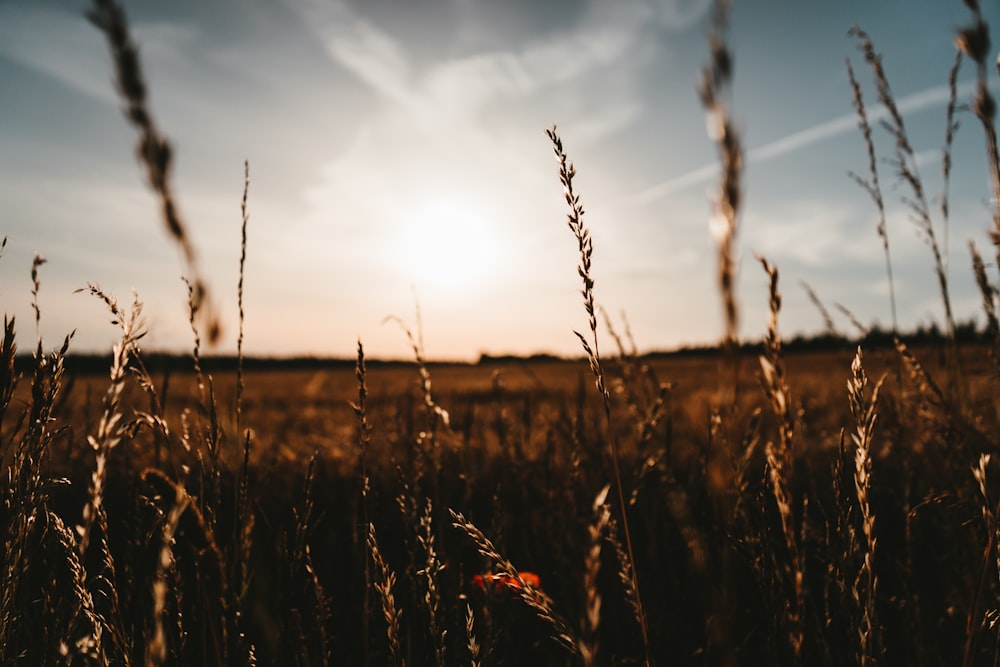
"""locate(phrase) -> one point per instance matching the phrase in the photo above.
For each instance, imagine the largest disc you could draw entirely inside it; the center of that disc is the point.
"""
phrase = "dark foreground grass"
(523, 463)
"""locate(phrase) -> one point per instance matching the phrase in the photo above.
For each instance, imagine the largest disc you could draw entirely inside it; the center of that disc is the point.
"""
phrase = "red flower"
(499, 583)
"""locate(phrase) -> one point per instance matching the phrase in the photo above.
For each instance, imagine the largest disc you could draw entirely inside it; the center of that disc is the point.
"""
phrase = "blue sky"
(397, 149)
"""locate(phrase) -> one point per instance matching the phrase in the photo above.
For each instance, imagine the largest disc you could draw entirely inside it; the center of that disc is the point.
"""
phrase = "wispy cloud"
(374, 57)
(925, 99)
(441, 90)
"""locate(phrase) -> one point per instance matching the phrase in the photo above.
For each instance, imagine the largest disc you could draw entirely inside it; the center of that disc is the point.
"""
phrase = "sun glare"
(448, 246)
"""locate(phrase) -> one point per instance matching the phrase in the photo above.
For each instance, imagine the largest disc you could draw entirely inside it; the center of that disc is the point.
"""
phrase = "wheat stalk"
(429, 573)
(470, 636)
(588, 643)
(153, 149)
(83, 636)
(585, 247)
(25, 494)
(156, 648)
(384, 584)
(779, 460)
(244, 513)
(110, 429)
(865, 411)
(714, 87)
(871, 185)
(435, 414)
(304, 571)
(951, 127)
(905, 163)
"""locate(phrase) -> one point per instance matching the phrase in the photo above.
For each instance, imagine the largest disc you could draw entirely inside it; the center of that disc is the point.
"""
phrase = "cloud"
(435, 130)
(441, 90)
(59, 44)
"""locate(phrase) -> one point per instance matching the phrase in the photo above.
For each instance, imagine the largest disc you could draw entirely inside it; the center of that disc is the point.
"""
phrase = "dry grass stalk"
(211, 434)
(153, 149)
(714, 88)
(156, 647)
(83, 633)
(193, 307)
(585, 247)
(314, 646)
(990, 297)
(928, 390)
(104, 586)
(974, 42)
(244, 512)
(988, 511)
(779, 463)
(364, 439)
(435, 415)
(865, 411)
(855, 322)
(625, 574)
(361, 411)
(429, 574)
(199, 599)
(871, 185)
(976, 620)
(538, 601)
(645, 396)
(905, 163)
(773, 366)
(245, 217)
(470, 636)
(110, 429)
(434, 411)
(37, 262)
(9, 376)
(153, 419)
(951, 127)
(588, 643)
(831, 328)
(385, 582)
(26, 491)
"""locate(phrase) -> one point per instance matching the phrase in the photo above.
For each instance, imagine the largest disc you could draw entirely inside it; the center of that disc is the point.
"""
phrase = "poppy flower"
(500, 583)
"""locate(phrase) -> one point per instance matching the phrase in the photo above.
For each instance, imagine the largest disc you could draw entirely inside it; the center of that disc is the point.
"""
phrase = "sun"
(448, 246)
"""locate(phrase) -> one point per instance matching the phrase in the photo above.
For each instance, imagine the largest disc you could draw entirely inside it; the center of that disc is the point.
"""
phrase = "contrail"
(919, 101)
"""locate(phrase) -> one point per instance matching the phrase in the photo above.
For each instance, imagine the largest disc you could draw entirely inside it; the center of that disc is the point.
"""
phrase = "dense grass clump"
(762, 504)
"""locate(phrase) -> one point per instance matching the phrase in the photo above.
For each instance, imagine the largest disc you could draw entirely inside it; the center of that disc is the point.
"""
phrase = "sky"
(399, 164)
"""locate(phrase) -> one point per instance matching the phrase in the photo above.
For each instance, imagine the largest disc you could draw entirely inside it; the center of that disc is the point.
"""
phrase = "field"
(758, 503)
(522, 457)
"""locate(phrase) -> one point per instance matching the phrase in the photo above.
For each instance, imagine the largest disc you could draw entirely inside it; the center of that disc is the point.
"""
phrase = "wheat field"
(830, 501)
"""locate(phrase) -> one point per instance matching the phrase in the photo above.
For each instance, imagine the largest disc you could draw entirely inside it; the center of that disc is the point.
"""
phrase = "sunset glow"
(399, 147)
(448, 248)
